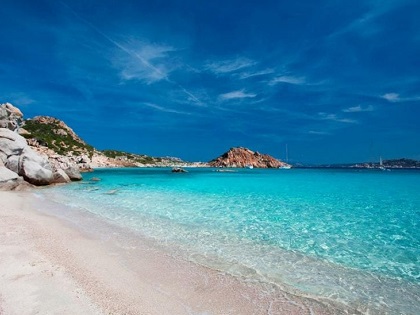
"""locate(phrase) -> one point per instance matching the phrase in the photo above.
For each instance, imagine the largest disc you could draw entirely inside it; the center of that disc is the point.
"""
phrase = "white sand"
(50, 266)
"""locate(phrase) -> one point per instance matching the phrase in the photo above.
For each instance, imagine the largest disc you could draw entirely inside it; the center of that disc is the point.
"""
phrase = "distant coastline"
(402, 163)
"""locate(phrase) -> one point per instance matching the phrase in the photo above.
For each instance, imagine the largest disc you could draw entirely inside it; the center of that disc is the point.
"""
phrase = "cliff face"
(243, 157)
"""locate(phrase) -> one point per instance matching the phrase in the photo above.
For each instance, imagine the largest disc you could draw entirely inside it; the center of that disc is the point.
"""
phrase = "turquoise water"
(351, 236)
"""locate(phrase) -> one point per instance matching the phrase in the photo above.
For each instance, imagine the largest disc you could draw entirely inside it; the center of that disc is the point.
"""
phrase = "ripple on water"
(349, 237)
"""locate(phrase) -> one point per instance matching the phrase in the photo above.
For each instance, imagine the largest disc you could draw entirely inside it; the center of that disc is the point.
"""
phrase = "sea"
(350, 236)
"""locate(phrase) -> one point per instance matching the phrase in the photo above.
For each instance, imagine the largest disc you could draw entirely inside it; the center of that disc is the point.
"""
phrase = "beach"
(49, 265)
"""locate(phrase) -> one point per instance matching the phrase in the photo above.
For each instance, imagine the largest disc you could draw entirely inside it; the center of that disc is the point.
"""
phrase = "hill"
(243, 157)
(49, 135)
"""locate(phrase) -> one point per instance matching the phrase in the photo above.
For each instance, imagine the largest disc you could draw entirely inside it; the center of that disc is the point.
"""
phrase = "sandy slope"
(49, 266)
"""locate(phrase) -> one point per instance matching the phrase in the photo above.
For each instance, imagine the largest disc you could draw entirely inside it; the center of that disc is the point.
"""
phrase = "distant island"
(244, 157)
(401, 163)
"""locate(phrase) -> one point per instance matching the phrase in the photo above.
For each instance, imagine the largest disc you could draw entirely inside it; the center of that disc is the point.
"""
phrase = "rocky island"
(243, 157)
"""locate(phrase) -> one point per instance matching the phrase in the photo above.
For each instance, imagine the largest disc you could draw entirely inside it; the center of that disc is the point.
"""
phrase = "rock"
(178, 170)
(23, 132)
(7, 175)
(60, 176)
(243, 157)
(65, 163)
(73, 173)
(18, 157)
(11, 143)
(10, 117)
(11, 181)
(12, 163)
(35, 169)
(38, 164)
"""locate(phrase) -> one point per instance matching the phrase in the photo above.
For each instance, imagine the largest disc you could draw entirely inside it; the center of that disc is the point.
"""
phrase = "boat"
(285, 167)
(381, 165)
(250, 167)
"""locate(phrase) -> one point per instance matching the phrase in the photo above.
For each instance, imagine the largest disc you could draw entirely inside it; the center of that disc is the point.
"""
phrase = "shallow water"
(350, 236)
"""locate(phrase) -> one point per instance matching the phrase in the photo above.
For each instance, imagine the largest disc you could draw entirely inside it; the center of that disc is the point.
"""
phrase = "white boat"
(381, 165)
(250, 166)
(285, 167)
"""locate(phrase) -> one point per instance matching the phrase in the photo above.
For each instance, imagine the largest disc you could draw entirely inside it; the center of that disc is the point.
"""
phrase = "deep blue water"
(349, 235)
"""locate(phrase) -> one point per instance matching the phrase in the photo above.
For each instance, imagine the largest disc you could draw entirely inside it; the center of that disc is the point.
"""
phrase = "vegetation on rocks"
(54, 134)
(134, 158)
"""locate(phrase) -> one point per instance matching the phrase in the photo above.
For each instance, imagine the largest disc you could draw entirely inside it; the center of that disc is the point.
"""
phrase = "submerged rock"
(179, 170)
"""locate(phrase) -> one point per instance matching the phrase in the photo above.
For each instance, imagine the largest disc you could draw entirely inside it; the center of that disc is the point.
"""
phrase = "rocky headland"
(23, 165)
(44, 150)
(243, 157)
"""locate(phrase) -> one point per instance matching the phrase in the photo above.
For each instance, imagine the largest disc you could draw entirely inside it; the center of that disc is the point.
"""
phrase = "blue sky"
(337, 81)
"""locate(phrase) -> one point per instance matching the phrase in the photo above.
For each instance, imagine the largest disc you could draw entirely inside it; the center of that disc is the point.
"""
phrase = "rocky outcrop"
(10, 117)
(21, 164)
(19, 158)
(243, 157)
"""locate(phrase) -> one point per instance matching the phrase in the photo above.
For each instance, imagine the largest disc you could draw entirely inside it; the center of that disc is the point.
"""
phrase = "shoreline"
(98, 273)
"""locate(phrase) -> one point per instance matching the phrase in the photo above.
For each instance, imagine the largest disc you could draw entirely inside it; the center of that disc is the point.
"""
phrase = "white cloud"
(164, 109)
(391, 97)
(287, 79)
(334, 117)
(358, 109)
(145, 62)
(236, 95)
(228, 66)
(396, 98)
(246, 75)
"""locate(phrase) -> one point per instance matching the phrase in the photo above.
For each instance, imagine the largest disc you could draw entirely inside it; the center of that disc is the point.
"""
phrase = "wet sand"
(51, 265)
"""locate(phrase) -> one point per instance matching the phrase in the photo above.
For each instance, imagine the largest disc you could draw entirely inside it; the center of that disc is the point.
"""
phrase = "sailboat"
(381, 165)
(286, 167)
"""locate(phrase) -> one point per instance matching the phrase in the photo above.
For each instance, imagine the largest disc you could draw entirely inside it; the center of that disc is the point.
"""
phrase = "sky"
(334, 81)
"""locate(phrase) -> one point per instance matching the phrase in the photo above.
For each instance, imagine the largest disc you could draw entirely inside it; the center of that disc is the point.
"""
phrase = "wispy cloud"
(319, 133)
(396, 98)
(236, 95)
(391, 97)
(334, 117)
(139, 68)
(164, 109)
(228, 66)
(365, 25)
(358, 109)
(143, 60)
(288, 79)
(246, 75)
(20, 99)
